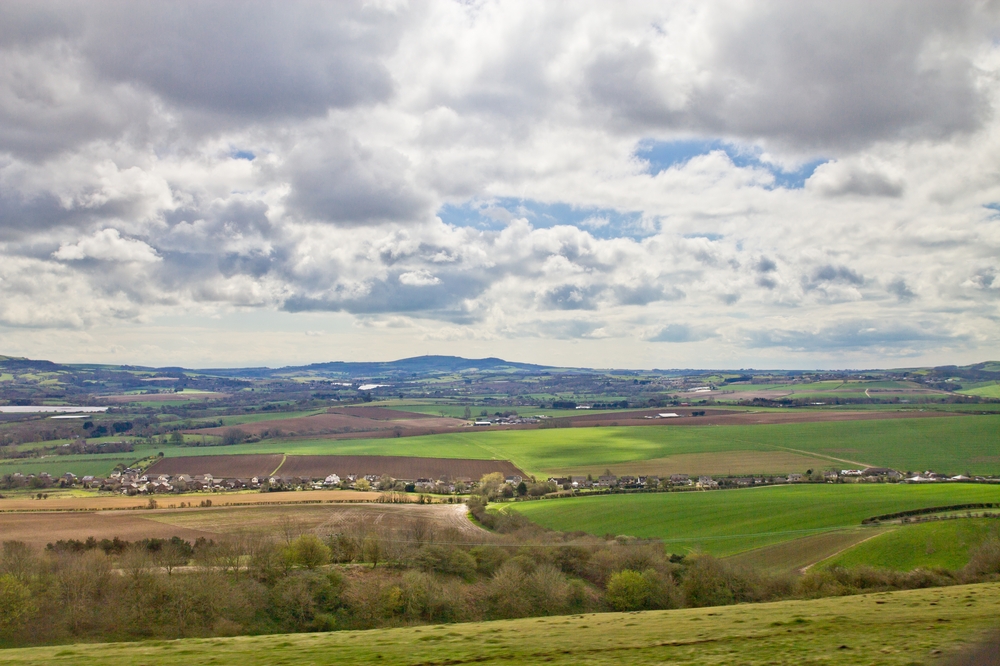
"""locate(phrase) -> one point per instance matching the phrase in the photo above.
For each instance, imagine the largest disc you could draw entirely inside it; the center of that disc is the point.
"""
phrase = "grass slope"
(945, 544)
(725, 522)
(891, 628)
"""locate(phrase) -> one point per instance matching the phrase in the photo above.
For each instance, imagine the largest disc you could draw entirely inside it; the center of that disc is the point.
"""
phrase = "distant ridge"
(416, 365)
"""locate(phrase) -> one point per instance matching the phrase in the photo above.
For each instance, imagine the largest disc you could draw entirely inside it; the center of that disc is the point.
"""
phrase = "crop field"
(726, 522)
(40, 528)
(944, 544)
(320, 519)
(991, 390)
(894, 628)
(344, 421)
(398, 467)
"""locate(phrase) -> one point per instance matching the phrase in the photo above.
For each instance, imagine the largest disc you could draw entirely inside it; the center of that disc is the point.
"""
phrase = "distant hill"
(417, 365)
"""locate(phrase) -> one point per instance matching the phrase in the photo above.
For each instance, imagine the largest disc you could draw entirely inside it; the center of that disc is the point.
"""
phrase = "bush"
(309, 552)
(630, 590)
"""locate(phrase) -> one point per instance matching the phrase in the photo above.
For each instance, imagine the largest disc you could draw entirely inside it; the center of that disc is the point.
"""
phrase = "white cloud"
(466, 173)
(108, 245)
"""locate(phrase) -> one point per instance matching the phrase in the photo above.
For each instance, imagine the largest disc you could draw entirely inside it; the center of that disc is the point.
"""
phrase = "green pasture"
(991, 390)
(725, 522)
(894, 628)
(943, 544)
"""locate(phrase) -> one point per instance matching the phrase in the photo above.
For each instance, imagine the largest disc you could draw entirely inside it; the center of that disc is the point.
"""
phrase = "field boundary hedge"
(932, 509)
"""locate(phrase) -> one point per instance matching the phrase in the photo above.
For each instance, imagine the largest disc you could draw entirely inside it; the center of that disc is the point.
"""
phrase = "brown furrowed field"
(345, 421)
(233, 498)
(258, 514)
(398, 467)
(40, 528)
(321, 519)
(223, 467)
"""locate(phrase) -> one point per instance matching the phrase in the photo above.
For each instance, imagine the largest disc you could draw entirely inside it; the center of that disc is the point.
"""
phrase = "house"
(482, 422)
(607, 480)
(680, 479)
(706, 482)
(794, 478)
(331, 480)
(580, 482)
(881, 473)
(513, 480)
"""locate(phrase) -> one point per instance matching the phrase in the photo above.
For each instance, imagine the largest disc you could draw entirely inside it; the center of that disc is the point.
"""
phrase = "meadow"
(944, 544)
(887, 628)
(726, 522)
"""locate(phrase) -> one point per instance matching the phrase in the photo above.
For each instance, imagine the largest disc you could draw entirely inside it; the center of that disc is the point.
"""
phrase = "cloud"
(891, 339)
(774, 177)
(835, 179)
(108, 245)
(681, 333)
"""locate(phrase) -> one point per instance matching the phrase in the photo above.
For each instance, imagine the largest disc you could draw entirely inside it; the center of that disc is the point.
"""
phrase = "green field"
(988, 391)
(889, 628)
(725, 522)
(953, 445)
(939, 544)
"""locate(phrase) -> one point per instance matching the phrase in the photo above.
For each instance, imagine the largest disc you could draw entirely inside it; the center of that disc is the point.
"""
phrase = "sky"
(703, 184)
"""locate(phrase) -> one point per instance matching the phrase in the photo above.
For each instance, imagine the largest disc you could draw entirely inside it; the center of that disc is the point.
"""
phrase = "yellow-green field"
(909, 627)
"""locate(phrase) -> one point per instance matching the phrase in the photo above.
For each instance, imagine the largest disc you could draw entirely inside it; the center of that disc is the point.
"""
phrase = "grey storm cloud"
(811, 75)
(842, 274)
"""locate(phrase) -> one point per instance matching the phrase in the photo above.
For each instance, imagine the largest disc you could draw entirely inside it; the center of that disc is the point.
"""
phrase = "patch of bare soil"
(39, 529)
(222, 467)
(325, 519)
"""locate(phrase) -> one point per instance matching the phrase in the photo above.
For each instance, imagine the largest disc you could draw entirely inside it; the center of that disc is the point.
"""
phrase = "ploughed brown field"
(398, 467)
(350, 420)
(38, 528)
(223, 467)
(41, 528)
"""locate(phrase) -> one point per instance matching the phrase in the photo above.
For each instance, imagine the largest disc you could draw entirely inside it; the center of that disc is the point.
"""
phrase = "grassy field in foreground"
(725, 522)
(940, 544)
(890, 628)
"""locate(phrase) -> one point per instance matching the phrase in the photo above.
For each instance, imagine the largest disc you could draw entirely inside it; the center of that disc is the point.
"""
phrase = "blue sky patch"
(662, 155)
(243, 155)
(495, 214)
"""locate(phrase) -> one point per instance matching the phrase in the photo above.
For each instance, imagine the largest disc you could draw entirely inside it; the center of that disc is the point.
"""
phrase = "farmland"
(732, 521)
(398, 467)
(939, 544)
(890, 628)
(947, 444)
(230, 515)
